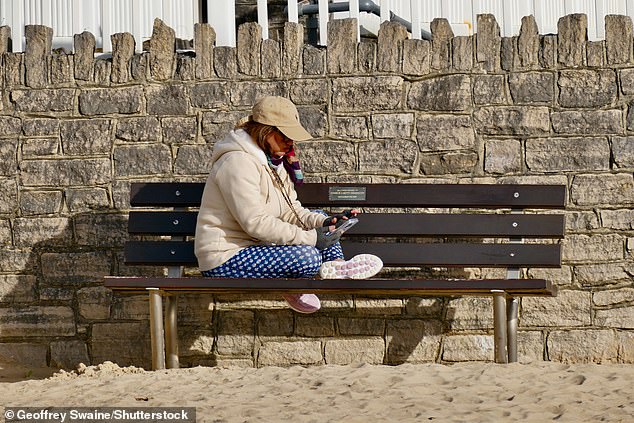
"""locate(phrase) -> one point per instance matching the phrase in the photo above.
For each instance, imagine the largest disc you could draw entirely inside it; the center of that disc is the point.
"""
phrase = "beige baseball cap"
(281, 113)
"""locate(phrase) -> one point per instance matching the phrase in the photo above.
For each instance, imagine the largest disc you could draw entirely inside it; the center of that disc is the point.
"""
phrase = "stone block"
(572, 36)
(86, 136)
(626, 77)
(413, 341)
(43, 230)
(588, 122)
(509, 59)
(532, 87)
(69, 354)
(587, 88)
(402, 153)
(94, 302)
(623, 151)
(10, 126)
(445, 93)
(17, 289)
(274, 323)
(470, 313)
(581, 221)
(361, 327)
(138, 129)
(37, 321)
(125, 343)
(14, 260)
(13, 69)
(390, 46)
(105, 101)
(445, 132)
(139, 67)
(567, 154)
(39, 40)
(131, 308)
(595, 54)
(193, 160)
(515, 120)
(342, 46)
(8, 196)
(122, 52)
(489, 89)
(528, 43)
(617, 219)
(40, 202)
(38, 147)
(602, 274)
(530, 346)
(84, 46)
(5, 36)
(622, 317)
(367, 94)
(340, 158)
(613, 296)
(236, 333)
(61, 65)
(162, 51)
(626, 347)
(246, 93)
(503, 156)
(59, 100)
(488, 43)
(367, 56)
(314, 119)
(292, 44)
(309, 91)
(210, 95)
(593, 248)
(86, 199)
(618, 39)
(428, 307)
(185, 67)
(226, 62)
(284, 353)
(204, 41)
(350, 127)
(394, 125)
(468, 348)
(583, 346)
(101, 72)
(462, 53)
(347, 351)
(27, 354)
(195, 308)
(440, 43)
(38, 127)
(314, 326)
(248, 48)
(453, 162)
(569, 308)
(378, 306)
(271, 59)
(137, 160)
(416, 57)
(8, 154)
(609, 189)
(179, 129)
(548, 51)
(64, 172)
(215, 125)
(314, 60)
(167, 100)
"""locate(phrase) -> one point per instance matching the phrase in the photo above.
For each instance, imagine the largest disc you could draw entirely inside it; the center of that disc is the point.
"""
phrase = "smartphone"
(347, 224)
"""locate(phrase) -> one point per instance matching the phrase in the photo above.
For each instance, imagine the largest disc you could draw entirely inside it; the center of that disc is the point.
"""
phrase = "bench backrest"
(482, 228)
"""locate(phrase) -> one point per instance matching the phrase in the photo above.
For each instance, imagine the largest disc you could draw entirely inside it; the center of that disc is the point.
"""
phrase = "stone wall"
(75, 131)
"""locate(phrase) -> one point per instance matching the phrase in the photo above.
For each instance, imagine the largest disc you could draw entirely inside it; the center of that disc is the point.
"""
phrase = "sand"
(464, 392)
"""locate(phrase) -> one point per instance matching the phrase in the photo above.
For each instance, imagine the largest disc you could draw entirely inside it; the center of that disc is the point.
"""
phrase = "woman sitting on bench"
(250, 223)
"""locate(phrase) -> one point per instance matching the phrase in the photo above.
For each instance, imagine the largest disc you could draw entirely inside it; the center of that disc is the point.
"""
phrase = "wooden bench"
(480, 226)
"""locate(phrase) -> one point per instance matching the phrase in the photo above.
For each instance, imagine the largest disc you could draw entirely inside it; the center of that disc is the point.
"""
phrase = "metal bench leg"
(499, 326)
(156, 329)
(171, 333)
(512, 305)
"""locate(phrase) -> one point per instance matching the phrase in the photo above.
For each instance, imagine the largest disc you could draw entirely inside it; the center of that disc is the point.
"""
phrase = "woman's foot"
(303, 303)
(361, 266)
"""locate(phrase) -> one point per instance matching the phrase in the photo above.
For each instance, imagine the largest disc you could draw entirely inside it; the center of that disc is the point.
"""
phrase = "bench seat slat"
(183, 194)
(181, 253)
(370, 286)
(179, 223)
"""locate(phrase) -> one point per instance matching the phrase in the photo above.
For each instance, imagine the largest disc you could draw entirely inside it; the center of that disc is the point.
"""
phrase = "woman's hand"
(344, 215)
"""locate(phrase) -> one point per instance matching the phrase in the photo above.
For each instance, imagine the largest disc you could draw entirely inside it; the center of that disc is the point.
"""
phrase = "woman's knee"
(308, 260)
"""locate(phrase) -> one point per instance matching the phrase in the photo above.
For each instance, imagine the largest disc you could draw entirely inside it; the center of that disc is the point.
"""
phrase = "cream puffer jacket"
(242, 207)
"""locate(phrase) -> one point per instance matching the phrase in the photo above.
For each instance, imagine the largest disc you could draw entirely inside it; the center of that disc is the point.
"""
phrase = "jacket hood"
(238, 140)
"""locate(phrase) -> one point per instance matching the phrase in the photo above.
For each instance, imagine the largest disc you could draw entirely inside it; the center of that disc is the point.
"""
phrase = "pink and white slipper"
(303, 303)
(361, 266)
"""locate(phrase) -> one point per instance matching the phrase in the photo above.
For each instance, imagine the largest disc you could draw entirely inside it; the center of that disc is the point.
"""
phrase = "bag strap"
(277, 181)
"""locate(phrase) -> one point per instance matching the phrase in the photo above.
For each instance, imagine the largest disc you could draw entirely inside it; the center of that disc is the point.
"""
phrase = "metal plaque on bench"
(346, 193)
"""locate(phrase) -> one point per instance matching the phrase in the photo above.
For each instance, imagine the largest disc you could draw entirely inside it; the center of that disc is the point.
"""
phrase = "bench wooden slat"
(181, 253)
(183, 194)
(385, 224)
(371, 286)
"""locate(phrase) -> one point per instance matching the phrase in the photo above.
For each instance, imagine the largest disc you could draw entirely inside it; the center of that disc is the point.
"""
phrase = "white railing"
(106, 17)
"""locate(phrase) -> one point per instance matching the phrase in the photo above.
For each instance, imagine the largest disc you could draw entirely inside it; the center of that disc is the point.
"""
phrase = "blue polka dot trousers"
(276, 261)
